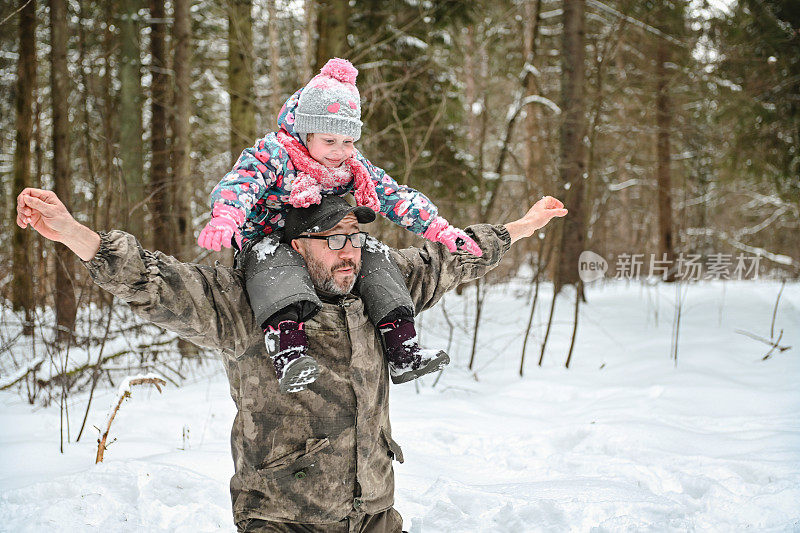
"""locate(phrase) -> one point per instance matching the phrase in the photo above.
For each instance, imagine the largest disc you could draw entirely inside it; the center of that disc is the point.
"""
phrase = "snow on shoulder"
(377, 247)
(265, 248)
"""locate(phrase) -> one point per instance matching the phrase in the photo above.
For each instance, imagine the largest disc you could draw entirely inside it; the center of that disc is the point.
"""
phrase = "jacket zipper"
(356, 499)
(346, 326)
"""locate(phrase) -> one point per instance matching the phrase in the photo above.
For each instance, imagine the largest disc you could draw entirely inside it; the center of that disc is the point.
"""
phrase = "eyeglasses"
(337, 240)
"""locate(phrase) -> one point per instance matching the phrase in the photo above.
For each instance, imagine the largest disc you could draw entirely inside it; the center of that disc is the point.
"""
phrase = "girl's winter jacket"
(261, 181)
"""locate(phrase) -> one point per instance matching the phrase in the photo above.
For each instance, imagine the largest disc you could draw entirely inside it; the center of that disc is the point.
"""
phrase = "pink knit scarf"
(312, 177)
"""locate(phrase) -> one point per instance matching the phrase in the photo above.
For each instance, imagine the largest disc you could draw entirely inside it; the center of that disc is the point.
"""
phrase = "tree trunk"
(181, 189)
(181, 129)
(533, 126)
(240, 76)
(308, 37)
(332, 18)
(274, 62)
(130, 117)
(42, 288)
(113, 179)
(22, 292)
(59, 81)
(85, 97)
(471, 87)
(571, 163)
(163, 232)
(666, 246)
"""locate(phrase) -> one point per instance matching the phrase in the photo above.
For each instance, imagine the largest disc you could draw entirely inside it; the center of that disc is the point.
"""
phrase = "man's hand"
(537, 217)
(49, 216)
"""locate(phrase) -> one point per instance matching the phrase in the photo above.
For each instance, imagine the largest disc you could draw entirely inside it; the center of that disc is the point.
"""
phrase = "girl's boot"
(287, 346)
(407, 360)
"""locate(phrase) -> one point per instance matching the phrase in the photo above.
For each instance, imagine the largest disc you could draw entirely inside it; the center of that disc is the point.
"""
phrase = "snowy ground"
(622, 441)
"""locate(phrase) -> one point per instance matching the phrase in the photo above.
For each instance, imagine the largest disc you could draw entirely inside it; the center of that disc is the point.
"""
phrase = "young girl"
(311, 155)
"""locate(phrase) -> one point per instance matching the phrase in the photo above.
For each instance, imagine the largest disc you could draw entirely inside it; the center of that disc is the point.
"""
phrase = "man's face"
(332, 271)
(330, 149)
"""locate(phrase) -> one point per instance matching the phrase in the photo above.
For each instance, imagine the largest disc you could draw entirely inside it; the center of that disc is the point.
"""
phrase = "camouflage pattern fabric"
(388, 521)
(319, 455)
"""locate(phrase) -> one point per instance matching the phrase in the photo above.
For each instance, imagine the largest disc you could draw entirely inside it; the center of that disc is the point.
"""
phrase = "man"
(320, 459)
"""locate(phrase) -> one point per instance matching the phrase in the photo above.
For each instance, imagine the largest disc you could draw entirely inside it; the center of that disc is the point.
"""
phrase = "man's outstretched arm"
(431, 271)
(45, 213)
(202, 304)
(536, 218)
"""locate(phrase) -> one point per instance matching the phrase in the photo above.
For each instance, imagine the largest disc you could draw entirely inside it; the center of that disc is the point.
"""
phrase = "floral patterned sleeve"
(406, 207)
(255, 171)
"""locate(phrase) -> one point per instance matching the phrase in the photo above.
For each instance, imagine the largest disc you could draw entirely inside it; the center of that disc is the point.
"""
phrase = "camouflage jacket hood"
(315, 456)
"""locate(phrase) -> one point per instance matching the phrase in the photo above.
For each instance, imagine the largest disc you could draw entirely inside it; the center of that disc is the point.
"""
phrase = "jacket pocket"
(394, 450)
(297, 463)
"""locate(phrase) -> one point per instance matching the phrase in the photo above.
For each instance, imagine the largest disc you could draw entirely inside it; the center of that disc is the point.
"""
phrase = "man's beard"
(324, 280)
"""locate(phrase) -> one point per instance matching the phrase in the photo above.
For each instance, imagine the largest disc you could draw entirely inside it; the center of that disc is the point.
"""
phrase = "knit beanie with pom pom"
(330, 103)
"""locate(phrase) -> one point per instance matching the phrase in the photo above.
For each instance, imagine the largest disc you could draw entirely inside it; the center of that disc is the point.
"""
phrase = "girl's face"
(330, 149)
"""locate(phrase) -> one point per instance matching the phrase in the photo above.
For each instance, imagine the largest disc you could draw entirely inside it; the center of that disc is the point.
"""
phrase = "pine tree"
(22, 296)
(572, 165)
(182, 180)
(131, 101)
(159, 187)
(66, 307)
(333, 17)
(240, 76)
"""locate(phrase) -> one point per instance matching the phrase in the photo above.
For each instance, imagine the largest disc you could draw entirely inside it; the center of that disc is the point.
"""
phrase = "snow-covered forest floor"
(622, 441)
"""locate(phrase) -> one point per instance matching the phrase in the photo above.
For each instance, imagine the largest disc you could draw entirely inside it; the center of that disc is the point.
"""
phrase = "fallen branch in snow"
(776, 343)
(101, 365)
(57, 378)
(773, 344)
(125, 392)
(769, 353)
(20, 374)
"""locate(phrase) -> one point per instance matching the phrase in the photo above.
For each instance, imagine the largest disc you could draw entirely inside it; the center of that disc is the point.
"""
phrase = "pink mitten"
(453, 238)
(224, 225)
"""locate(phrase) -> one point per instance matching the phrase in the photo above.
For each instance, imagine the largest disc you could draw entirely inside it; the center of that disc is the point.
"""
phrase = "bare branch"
(124, 392)
(22, 373)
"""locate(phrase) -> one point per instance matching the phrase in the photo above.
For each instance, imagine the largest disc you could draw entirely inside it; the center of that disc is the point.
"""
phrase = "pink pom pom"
(340, 69)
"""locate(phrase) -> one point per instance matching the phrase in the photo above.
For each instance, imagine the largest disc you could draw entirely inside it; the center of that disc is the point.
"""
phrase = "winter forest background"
(667, 128)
